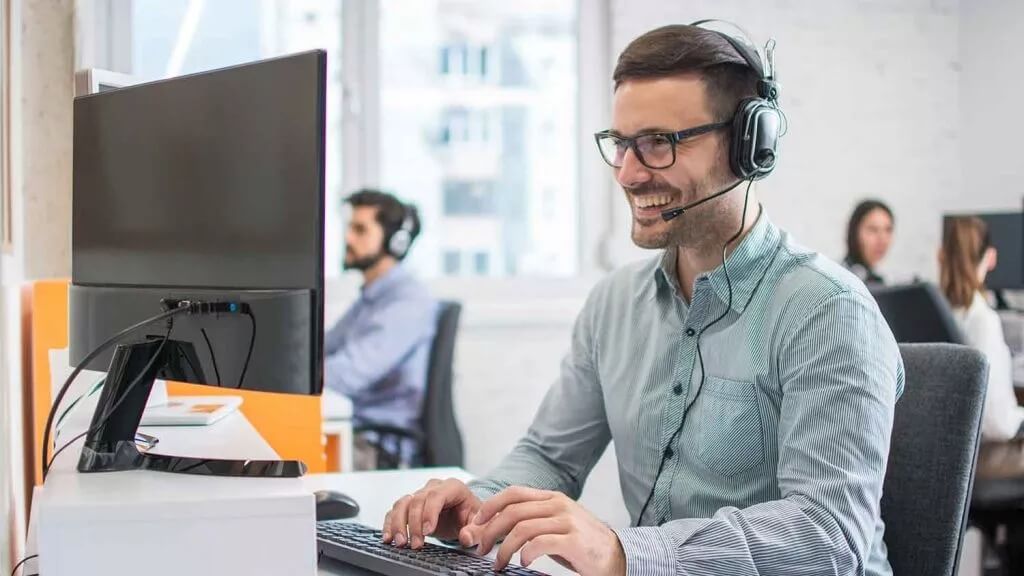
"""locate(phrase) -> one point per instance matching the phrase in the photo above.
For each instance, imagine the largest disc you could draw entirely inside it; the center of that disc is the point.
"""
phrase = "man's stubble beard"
(708, 225)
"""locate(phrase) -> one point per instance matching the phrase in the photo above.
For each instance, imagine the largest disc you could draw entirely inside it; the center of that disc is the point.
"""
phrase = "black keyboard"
(361, 546)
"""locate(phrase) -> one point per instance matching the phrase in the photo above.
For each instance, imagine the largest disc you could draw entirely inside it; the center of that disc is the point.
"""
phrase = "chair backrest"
(934, 447)
(442, 440)
(917, 313)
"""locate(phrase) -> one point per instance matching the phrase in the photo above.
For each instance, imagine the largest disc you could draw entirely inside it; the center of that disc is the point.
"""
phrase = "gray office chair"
(440, 443)
(917, 312)
(933, 451)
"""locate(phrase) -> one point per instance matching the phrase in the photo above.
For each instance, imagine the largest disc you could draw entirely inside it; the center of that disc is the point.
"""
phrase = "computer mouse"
(331, 505)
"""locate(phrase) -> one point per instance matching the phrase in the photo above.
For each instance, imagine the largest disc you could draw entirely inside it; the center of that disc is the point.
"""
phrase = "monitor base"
(110, 445)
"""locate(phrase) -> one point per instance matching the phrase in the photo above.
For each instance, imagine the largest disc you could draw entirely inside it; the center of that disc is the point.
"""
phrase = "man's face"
(364, 239)
(701, 166)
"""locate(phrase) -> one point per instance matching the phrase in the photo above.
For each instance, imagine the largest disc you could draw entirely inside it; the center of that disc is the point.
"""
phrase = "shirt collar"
(383, 284)
(747, 265)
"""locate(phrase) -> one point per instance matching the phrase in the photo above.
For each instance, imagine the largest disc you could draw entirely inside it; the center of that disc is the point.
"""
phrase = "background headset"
(757, 125)
(401, 240)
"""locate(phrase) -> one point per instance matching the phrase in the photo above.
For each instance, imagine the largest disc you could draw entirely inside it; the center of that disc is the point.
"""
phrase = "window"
(481, 263)
(467, 108)
(496, 119)
(461, 125)
(469, 198)
(452, 263)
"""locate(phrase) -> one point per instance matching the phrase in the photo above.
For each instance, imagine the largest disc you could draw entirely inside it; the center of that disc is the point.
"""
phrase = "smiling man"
(748, 383)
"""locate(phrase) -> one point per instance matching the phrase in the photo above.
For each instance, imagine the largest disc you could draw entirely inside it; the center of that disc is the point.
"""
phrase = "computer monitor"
(1006, 233)
(207, 189)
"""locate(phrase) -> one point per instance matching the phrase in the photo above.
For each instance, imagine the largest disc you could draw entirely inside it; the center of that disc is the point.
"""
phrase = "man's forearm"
(781, 537)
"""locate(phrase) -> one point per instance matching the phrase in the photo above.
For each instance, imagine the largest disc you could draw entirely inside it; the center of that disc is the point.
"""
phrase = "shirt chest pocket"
(729, 435)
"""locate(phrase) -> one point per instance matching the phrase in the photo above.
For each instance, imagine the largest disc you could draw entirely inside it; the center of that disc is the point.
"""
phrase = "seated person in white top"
(965, 259)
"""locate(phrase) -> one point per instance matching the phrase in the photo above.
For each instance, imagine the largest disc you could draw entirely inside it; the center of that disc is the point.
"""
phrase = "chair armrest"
(387, 430)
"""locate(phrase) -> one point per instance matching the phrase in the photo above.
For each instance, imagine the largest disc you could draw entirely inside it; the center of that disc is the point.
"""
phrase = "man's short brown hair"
(676, 50)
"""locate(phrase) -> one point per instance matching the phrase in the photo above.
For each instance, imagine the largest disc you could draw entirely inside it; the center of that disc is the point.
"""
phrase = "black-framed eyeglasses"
(656, 150)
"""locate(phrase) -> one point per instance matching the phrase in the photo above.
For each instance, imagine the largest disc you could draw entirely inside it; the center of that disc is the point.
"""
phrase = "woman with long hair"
(868, 237)
(965, 259)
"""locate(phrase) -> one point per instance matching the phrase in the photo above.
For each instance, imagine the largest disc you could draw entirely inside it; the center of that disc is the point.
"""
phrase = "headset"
(401, 240)
(758, 122)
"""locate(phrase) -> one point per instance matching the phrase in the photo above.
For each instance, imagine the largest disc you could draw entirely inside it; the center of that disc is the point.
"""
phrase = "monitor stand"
(111, 446)
(1001, 303)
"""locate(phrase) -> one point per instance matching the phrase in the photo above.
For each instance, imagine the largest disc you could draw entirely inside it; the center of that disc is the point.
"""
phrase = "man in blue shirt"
(748, 383)
(377, 353)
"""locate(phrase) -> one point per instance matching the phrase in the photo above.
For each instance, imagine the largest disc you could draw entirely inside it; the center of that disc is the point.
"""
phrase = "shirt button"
(669, 453)
(690, 331)
(678, 389)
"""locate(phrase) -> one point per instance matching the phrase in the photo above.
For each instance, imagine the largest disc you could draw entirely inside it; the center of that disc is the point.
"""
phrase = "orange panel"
(290, 424)
(331, 445)
(49, 330)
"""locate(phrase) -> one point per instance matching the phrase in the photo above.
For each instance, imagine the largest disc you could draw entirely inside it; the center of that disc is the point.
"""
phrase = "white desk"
(233, 437)
(222, 519)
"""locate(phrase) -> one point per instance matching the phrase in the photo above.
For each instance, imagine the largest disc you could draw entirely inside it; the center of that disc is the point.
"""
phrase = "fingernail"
(476, 518)
(387, 536)
(426, 528)
(399, 540)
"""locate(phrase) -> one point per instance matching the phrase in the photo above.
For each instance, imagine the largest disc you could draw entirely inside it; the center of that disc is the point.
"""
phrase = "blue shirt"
(377, 354)
(779, 464)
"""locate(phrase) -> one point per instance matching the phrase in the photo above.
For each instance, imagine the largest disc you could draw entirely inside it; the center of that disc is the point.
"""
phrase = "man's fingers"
(399, 520)
(546, 545)
(503, 523)
(469, 535)
(433, 504)
(523, 533)
(416, 519)
(508, 497)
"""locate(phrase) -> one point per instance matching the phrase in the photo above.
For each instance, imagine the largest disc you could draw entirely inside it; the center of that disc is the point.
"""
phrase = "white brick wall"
(992, 81)
(871, 92)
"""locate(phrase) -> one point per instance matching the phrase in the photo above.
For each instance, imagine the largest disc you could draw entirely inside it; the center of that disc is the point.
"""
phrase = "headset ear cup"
(755, 139)
(399, 243)
(739, 145)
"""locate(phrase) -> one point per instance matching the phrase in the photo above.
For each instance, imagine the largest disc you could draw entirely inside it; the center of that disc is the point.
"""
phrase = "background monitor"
(211, 187)
(1006, 232)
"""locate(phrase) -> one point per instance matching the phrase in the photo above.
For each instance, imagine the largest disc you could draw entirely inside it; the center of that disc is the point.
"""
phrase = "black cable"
(110, 412)
(213, 357)
(700, 357)
(248, 355)
(22, 563)
(81, 366)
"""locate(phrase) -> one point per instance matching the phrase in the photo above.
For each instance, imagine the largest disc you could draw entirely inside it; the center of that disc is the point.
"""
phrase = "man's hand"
(543, 523)
(441, 508)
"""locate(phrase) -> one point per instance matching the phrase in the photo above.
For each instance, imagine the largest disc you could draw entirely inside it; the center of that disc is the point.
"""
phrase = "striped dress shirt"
(782, 446)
